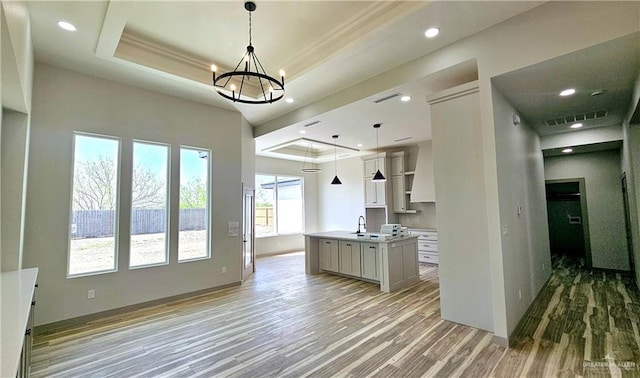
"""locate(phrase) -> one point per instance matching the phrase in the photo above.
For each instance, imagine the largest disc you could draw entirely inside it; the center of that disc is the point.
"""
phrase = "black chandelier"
(271, 89)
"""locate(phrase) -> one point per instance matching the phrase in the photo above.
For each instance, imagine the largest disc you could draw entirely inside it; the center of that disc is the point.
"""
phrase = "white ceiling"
(611, 67)
(325, 47)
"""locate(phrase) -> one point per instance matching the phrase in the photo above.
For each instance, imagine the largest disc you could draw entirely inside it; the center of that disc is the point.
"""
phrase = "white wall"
(15, 142)
(602, 172)
(581, 137)
(631, 166)
(16, 56)
(64, 102)
(525, 248)
(248, 154)
(339, 206)
(287, 243)
(464, 270)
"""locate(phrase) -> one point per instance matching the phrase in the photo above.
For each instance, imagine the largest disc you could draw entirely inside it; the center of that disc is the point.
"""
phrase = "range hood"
(423, 189)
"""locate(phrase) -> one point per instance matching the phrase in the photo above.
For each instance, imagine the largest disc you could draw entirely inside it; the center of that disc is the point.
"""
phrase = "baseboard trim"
(268, 254)
(502, 341)
(48, 328)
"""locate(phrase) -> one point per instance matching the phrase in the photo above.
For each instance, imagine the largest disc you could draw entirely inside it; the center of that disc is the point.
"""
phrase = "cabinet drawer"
(427, 246)
(429, 236)
(427, 258)
(425, 235)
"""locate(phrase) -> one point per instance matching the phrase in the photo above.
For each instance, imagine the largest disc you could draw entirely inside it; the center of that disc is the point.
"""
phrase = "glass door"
(248, 250)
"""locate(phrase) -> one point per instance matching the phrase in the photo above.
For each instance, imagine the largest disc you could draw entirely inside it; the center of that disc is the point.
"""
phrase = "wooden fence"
(101, 223)
(264, 216)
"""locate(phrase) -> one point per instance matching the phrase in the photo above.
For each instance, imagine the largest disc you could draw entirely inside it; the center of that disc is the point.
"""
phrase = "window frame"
(167, 230)
(277, 198)
(208, 208)
(116, 231)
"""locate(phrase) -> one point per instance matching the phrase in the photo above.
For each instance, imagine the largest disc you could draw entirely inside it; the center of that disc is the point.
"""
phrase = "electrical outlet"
(520, 294)
(543, 267)
(505, 230)
(91, 294)
(224, 270)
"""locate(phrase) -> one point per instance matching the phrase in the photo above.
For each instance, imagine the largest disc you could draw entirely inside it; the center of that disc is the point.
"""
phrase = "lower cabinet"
(369, 261)
(350, 258)
(329, 255)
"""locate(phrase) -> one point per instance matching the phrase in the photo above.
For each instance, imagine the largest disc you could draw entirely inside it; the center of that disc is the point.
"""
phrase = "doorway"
(248, 235)
(568, 219)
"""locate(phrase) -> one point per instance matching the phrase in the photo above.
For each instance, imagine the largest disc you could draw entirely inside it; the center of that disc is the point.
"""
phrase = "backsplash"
(424, 218)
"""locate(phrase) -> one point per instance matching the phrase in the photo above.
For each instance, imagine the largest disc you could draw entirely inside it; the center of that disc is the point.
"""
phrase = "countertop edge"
(346, 235)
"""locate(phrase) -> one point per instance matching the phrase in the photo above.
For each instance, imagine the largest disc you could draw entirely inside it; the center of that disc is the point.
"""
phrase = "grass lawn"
(96, 254)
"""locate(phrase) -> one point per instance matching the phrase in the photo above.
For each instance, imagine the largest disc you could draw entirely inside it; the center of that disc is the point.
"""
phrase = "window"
(193, 237)
(94, 204)
(149, 199)
(279, 205)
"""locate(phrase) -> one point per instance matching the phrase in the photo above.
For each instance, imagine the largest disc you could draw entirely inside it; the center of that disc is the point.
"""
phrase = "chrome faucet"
(363, 224)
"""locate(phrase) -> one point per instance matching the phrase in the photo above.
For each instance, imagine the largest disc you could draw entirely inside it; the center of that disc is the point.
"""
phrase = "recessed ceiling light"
(359, 145)
(302, 131)
(405, 98)
(567, 92)
(576, 125)
(288, 100)
(66, 26)
(567, 150)
(431, 32)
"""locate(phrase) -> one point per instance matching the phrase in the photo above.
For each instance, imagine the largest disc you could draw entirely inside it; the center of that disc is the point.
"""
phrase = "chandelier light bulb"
(214, 68)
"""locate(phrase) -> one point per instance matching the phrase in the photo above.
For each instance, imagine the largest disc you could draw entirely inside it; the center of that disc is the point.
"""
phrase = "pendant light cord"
(335, 156)
(250, 28)
(377, 150)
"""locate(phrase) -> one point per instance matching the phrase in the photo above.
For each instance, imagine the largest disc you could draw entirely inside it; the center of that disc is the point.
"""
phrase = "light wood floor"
(284, 323)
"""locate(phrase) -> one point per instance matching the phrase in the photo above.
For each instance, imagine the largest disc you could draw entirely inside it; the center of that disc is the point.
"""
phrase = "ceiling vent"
(389, 97)
(577, 118)
(312, 123)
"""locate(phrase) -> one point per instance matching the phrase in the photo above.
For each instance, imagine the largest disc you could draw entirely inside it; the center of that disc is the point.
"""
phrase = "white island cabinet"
(391, 263)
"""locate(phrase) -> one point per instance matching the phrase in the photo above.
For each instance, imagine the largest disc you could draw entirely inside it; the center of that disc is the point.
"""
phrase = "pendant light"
(378, 177)
(336, 180)
(313, 168)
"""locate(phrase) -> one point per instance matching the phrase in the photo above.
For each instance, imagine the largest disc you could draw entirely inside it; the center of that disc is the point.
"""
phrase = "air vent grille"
(577, 118)
(385, 98)
(312, 123)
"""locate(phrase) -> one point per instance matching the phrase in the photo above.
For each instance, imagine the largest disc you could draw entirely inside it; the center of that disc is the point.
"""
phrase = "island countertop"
(346, 235)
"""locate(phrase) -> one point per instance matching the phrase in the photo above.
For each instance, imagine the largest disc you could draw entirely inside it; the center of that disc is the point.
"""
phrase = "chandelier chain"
(250, 28)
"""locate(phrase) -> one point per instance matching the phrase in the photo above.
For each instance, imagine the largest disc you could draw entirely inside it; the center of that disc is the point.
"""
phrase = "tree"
(193, 195)
(147, 192)
(94, 186)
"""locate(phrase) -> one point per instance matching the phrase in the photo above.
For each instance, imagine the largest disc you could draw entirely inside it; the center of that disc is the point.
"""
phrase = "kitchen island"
(391, 263)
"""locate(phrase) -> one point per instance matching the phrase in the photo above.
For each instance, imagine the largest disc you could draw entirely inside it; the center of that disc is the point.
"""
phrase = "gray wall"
(525, 241)
(64, 102)
(602, 172)
(14, 151)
